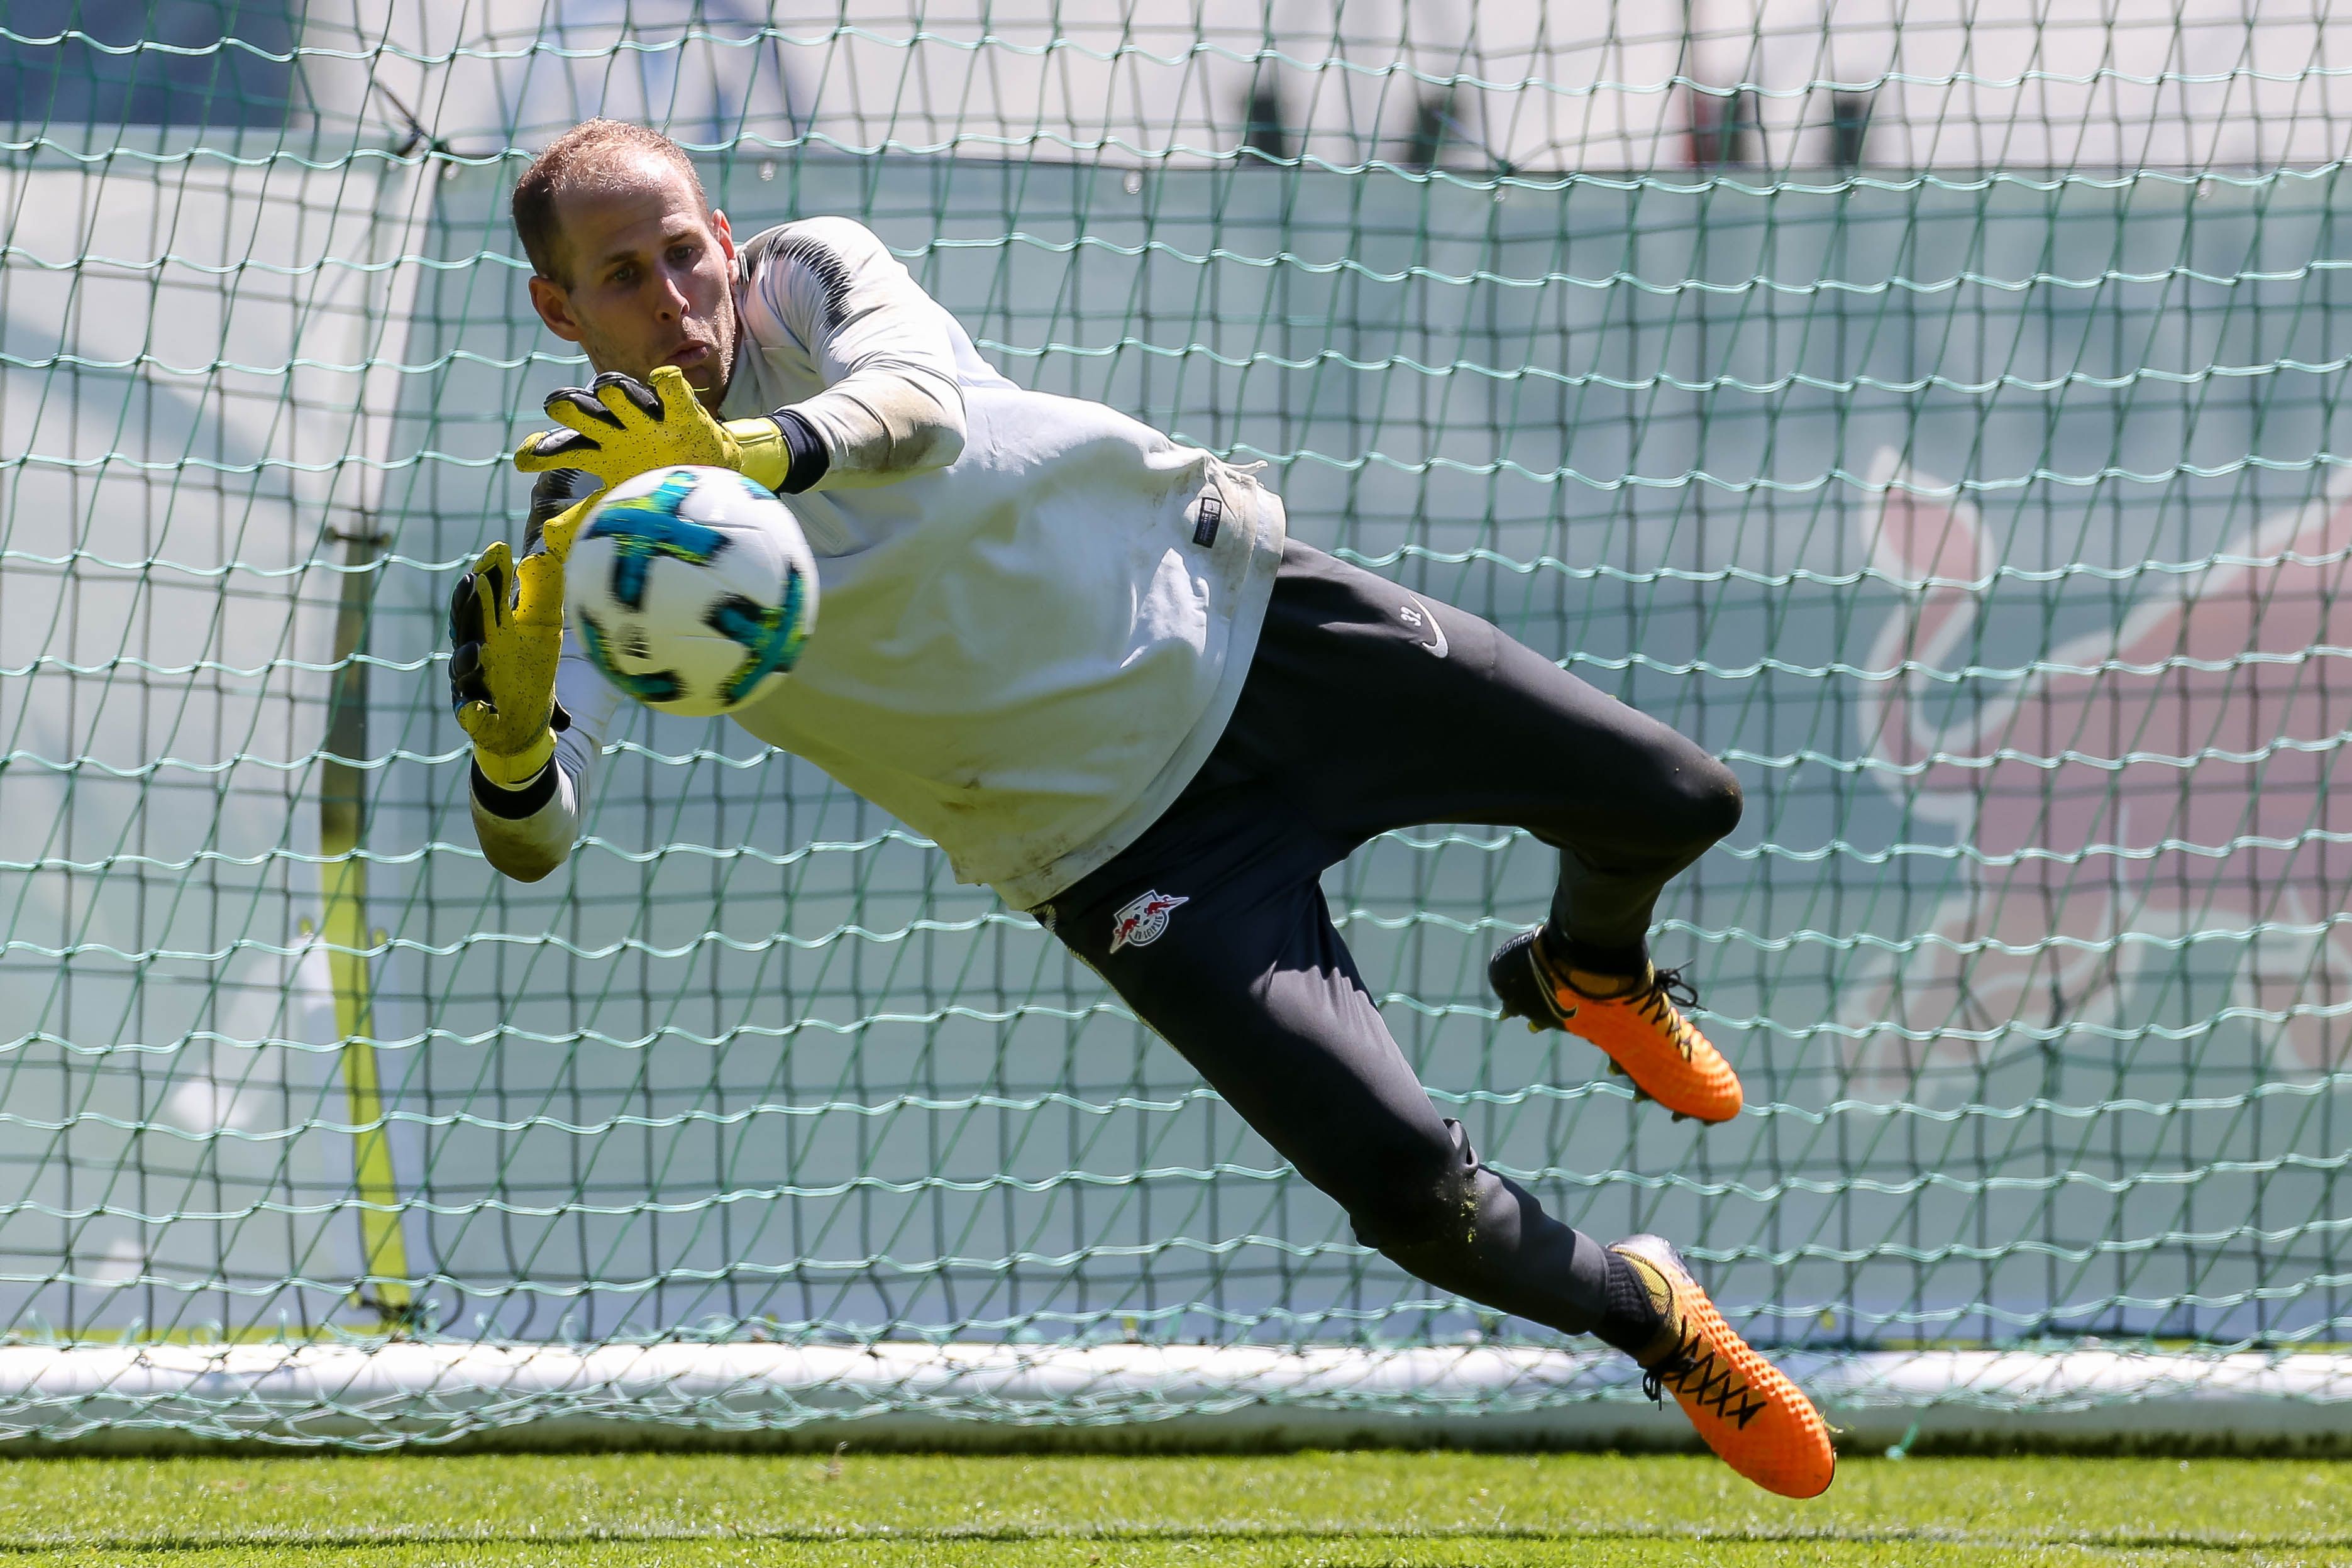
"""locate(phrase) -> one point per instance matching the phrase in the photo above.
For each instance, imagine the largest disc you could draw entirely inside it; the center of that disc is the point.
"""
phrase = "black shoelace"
(1695, 1369)
(1667, 989)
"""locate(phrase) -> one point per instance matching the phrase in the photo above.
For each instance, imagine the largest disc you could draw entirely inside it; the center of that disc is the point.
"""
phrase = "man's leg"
(1378, 708)
(1213, 929)
(1396, 710)
(1236, 964)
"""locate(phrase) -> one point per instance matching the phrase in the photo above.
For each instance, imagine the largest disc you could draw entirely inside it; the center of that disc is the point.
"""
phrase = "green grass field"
(1331, 1510)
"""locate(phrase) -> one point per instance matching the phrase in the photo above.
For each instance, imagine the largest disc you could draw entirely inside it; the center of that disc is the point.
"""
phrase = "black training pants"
(1369, 707)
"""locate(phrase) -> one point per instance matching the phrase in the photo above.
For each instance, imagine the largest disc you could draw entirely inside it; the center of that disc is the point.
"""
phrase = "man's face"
(648, 276)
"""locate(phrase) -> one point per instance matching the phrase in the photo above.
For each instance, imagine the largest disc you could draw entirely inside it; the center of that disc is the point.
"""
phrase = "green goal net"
(1936, 415)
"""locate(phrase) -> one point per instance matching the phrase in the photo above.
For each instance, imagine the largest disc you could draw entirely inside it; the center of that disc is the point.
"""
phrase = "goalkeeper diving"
(1090, 664)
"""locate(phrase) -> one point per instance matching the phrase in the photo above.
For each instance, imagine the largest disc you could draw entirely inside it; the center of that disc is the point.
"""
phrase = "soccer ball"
(691, 589)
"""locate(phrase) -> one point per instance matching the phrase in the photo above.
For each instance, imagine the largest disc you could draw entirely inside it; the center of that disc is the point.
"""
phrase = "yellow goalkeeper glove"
(618, 428)
(506, 633)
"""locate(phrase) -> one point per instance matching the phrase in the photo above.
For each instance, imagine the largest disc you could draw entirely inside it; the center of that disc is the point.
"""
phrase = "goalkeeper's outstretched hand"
(618, 428)
(505, 632)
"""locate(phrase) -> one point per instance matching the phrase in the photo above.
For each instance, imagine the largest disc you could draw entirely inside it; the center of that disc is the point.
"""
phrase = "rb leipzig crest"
(1141, 922)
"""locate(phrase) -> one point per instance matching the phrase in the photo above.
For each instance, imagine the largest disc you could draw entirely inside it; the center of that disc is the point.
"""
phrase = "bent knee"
(1698, 801)
(1427, 1203)
(1716, 801)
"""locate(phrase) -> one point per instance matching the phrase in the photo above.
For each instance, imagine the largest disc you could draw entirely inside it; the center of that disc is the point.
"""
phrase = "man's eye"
(626, 275)
(684, 253)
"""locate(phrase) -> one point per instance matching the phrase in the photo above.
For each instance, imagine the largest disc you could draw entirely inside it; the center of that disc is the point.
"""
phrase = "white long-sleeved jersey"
(1035, 613)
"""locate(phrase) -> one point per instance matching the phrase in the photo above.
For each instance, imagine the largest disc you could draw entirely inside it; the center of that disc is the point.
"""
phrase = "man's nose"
(673, 299)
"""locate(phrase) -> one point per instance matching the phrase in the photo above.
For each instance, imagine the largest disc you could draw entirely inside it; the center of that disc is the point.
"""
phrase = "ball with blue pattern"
(692, 589)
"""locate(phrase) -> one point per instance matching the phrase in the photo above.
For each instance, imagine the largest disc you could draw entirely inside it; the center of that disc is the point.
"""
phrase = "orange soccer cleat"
(1755, 1419)
(1640, 1029)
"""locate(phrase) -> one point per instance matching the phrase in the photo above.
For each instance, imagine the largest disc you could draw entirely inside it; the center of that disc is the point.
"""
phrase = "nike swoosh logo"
(1437, 647)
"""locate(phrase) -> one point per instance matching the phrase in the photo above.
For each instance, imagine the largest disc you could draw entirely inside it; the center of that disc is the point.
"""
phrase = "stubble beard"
(727, 335)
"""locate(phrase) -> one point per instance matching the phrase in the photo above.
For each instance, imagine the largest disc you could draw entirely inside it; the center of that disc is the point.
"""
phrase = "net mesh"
(1934, 413)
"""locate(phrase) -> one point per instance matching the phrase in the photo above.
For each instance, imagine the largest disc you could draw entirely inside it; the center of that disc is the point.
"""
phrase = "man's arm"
(526, 827)
(528, 832)
(892, 406)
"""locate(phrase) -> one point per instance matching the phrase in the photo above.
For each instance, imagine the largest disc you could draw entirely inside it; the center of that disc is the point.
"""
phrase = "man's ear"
(553, 304)
(726, 235)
